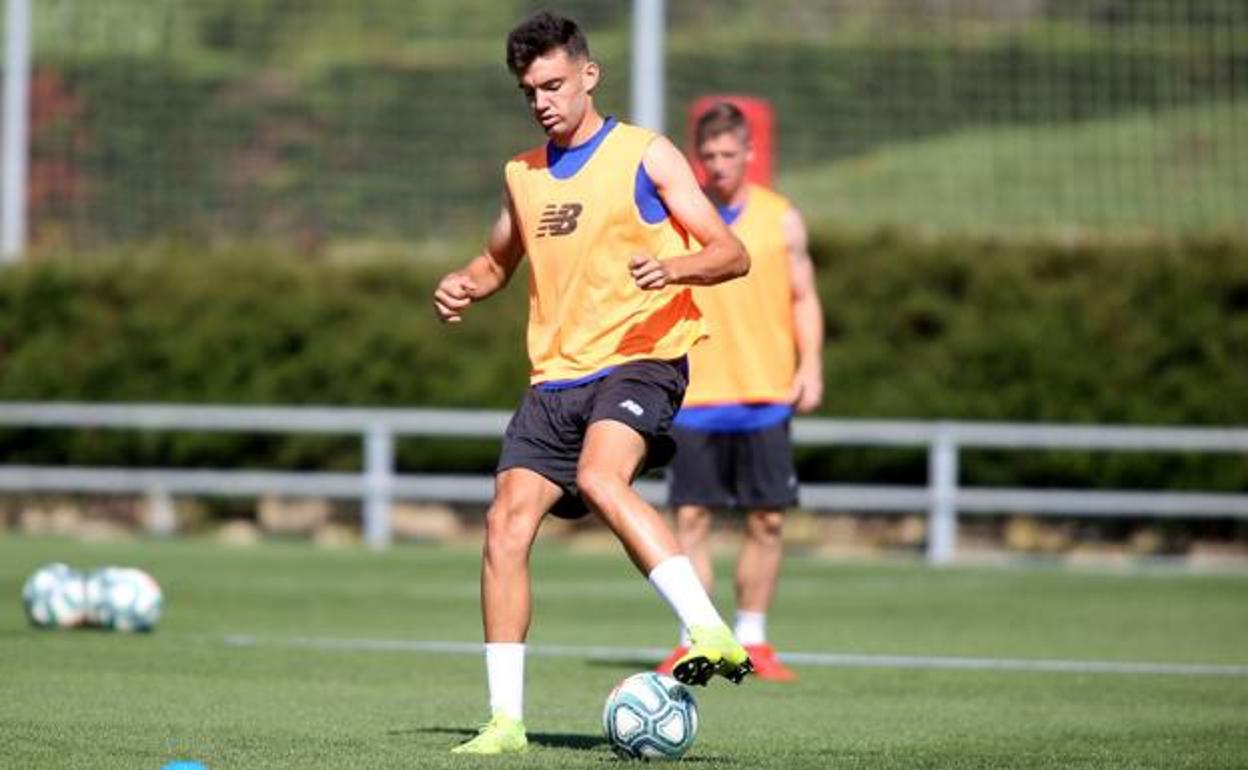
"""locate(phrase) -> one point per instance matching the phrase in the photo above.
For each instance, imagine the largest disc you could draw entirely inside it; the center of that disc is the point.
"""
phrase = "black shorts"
(752, 470)
(547, 432)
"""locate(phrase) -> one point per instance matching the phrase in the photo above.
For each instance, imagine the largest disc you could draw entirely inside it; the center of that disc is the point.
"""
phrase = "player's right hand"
(454, 293)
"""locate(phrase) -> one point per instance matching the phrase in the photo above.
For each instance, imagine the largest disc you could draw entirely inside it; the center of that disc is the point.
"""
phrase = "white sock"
(685, 640)
(679, 586)
(504, 669)
(751, 627)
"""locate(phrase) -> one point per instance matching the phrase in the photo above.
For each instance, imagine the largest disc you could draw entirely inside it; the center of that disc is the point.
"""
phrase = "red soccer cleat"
(670, 661)
(766, 665)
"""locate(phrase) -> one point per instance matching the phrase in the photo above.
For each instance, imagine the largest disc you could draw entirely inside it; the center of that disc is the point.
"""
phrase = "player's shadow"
(553, 740)
(567, 740)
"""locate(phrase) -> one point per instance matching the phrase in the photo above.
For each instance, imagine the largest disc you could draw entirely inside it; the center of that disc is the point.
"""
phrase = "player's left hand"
(649, 273)
(807, 392)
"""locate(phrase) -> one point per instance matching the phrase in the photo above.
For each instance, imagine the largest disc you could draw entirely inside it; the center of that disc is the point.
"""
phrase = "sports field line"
(829, 659)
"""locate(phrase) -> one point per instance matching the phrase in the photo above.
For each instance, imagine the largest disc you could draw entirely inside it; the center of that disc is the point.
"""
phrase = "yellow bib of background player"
(751, 355)
(585, 311)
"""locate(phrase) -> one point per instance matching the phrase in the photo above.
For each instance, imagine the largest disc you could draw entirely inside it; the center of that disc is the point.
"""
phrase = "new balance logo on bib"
(558, 219)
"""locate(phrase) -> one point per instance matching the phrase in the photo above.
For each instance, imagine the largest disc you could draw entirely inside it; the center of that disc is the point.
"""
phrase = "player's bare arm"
(722, 256)
(484, 274)
(807, 316)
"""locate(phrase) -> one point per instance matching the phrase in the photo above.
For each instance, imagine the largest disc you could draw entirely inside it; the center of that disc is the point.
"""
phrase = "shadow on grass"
(568, 740)
(39, 632)
(553, 740)
(574, 741)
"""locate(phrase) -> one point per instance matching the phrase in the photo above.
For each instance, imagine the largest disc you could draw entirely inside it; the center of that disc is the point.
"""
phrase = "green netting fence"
(333, 125)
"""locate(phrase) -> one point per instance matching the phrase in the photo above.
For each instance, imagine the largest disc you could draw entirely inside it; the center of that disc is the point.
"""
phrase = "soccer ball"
(123, 599)
(97, 608)
(650, 716)
(54, 597)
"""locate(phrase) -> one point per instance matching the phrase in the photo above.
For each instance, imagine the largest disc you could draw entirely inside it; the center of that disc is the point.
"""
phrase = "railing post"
(378, 479)
(15, 133)
(942, 483)
(161, 517)
(648, 86)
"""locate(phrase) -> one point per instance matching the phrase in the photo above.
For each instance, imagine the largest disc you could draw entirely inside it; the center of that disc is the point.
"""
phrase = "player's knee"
(693, 521)
(765, 525)
(508, 531)
(598, 486)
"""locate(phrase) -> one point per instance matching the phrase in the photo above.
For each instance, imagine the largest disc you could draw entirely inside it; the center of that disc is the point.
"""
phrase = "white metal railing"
(378, 484)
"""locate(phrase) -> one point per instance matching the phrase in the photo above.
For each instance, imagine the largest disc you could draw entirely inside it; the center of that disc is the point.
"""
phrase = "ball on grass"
(55, 597)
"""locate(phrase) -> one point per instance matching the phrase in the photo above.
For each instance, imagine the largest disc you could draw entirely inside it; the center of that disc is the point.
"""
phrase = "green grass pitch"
(289, 699)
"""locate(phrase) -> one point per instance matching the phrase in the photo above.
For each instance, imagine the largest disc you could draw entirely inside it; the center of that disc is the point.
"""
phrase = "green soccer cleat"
(712, 650)
(500, 735)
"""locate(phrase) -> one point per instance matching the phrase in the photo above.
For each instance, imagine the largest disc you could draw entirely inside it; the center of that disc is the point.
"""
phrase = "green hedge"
(1150, 333)
(1138, 333)
(250, 326)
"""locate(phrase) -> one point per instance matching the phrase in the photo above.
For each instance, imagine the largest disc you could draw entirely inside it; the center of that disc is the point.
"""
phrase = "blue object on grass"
(184, 764)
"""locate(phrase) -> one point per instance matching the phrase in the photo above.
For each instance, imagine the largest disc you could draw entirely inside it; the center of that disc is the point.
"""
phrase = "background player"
(762, 361)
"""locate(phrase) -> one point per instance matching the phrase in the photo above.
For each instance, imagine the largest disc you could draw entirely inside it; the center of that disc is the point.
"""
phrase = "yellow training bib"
(751, 355)
(580, 230)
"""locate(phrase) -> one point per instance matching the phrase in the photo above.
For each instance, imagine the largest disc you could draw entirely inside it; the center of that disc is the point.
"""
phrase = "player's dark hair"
(540, 34)
(723, 118)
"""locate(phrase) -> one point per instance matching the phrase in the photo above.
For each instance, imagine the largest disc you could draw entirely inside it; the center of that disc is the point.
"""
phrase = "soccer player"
(762, 362)
(605, 212)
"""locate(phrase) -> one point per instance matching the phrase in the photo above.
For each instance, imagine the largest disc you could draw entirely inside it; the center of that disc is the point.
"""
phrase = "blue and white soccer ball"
(123, 599)
(55, 597)
(98, 612)
(650, 716)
